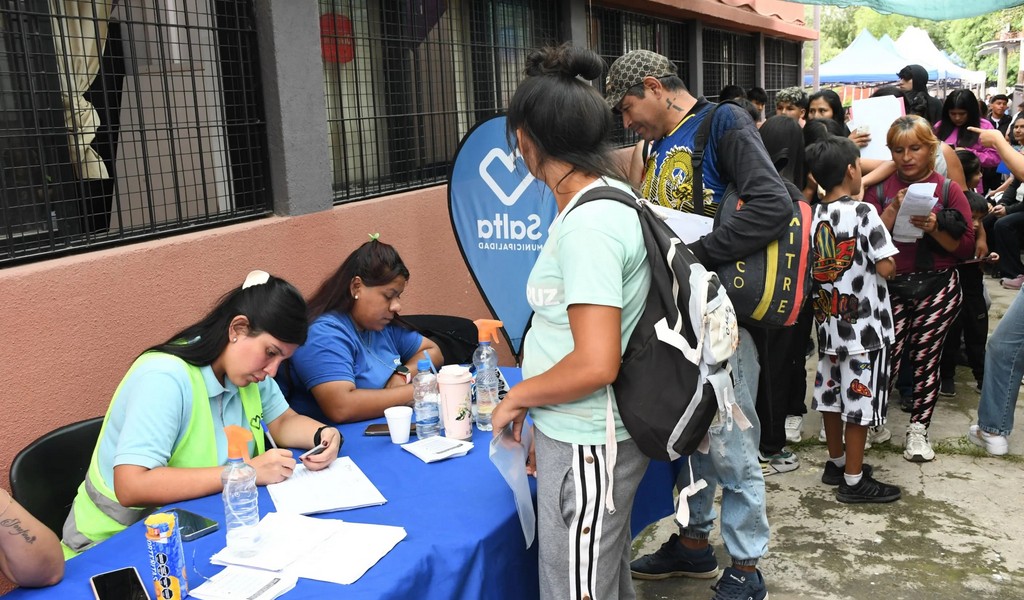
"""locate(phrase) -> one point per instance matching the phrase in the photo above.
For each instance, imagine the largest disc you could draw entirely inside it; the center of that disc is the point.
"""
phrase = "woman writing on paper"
(358, 359)
(163, 438)
(588, 290)
(925, 292)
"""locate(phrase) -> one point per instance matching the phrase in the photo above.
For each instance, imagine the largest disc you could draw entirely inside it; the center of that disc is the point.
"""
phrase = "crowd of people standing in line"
(880, 307)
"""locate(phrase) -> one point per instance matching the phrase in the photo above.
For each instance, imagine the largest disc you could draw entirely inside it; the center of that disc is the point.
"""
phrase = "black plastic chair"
(46, 474)
(456, 337)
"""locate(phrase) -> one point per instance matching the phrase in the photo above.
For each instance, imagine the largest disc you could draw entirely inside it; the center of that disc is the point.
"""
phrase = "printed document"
(918, 202)
(433, 449)
(293, 546)
(341, 486)
(241, 583)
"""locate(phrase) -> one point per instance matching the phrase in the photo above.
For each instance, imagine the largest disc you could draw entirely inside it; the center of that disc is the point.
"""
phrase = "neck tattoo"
(671, 103)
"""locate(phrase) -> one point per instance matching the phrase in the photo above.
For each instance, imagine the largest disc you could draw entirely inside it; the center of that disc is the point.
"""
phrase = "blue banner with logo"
(500, 215)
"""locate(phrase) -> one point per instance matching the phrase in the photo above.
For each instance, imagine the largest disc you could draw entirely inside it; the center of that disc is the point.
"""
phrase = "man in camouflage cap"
(644, 88)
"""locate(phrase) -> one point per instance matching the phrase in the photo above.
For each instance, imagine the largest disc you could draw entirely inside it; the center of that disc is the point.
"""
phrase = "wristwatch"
(403, 371)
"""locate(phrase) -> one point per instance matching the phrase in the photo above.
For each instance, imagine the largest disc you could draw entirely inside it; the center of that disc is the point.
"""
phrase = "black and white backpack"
(674, 376)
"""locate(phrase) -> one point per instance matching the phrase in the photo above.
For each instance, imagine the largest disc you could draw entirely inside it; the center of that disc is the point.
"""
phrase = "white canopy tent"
(916, 45)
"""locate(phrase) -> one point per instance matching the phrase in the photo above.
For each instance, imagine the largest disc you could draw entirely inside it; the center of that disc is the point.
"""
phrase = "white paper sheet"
(689, 227)
(322, 549)
(241, 583)
(876, 116)
(347, 553)
(433, 449)
(283, 538)
(509, 456)
(341, 486)
(918, 202)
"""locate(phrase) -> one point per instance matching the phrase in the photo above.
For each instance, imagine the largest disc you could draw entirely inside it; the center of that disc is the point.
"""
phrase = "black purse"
(919, 284)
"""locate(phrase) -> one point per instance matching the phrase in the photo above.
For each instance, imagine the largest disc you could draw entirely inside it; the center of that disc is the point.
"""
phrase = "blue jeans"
(732, 463)
(1004, 367)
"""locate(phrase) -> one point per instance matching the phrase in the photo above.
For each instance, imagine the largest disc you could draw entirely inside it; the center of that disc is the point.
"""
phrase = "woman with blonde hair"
(925, 291)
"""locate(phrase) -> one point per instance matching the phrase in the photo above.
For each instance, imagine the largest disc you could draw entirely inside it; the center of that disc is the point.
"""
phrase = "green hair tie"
(374, 237)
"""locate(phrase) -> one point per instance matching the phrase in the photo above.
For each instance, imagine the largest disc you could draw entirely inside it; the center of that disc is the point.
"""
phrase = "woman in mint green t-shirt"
(587, 289)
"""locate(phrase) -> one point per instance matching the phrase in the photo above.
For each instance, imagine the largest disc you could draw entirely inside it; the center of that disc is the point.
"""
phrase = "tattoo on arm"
(13, 527)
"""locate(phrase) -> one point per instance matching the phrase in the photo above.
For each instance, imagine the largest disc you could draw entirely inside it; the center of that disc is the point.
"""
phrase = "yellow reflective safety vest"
(96, 514)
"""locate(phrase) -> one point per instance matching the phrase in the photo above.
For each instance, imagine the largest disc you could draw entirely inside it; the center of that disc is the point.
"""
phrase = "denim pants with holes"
(732, 464)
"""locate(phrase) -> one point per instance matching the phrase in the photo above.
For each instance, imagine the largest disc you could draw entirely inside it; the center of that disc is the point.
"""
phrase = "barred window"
(124, 120)
(729, 59)
(406, 81)
(782, 66)
(614, 33)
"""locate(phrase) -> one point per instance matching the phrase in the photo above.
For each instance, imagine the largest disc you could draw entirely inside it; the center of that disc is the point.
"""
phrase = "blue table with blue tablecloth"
(464, 538)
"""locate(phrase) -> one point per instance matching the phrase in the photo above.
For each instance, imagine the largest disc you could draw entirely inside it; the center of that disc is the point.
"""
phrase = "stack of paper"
(322, 549)
(341, 486)
(918, 202)
(433, 449)
(240, 583)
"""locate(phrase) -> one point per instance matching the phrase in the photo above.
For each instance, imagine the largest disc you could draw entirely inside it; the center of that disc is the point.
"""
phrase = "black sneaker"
(947, 388)
(740, 585)
(833, 475)
(868, 490)
(675, 560)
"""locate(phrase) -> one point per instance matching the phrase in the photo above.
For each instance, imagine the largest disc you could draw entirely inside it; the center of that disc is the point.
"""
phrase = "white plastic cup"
(454, 383)
(399, 421)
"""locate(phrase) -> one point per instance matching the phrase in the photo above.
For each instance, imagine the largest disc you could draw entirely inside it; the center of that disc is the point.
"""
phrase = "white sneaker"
(878, 434)
(994, 444)
(917, 448)
(794, 428)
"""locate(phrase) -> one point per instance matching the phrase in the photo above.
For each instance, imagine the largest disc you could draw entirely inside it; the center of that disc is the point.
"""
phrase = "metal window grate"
(729, 59)
(405, 80)
(782, 66)
(164, 133)
(613, 33)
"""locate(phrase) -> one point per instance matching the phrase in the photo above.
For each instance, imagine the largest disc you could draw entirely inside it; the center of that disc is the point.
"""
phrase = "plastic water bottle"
(485, 363)
(241, 501)
(426, 407)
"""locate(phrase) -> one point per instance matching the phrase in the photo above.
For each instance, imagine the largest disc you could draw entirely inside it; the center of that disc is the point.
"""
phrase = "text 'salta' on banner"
(500, 215)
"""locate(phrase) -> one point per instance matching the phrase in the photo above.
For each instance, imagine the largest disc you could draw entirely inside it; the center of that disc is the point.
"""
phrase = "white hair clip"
(256, 277)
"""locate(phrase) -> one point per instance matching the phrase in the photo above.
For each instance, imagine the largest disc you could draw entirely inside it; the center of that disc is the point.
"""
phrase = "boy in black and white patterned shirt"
(853, 256)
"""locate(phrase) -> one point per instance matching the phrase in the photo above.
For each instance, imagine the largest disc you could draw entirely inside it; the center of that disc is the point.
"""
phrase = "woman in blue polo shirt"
(357, 361)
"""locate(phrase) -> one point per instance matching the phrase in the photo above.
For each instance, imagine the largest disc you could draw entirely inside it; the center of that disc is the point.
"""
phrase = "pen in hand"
(266, 430)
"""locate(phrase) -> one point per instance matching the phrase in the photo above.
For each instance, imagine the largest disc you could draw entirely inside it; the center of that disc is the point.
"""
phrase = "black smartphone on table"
(382, 429)
(191, 525)
(121, 584)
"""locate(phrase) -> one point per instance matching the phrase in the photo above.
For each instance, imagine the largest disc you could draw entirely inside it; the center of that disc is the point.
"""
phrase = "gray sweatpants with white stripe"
(584, 549)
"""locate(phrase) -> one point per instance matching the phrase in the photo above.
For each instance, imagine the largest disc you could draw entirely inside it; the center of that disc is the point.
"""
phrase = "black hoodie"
(918, 75)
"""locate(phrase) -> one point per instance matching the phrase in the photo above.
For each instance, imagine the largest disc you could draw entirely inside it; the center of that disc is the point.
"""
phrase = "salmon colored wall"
(72, 326)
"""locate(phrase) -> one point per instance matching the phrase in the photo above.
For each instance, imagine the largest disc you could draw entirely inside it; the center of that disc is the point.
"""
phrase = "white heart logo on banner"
(509, 161)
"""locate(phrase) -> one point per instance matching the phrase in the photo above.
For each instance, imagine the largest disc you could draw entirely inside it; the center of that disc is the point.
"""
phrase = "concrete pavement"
(957, 532)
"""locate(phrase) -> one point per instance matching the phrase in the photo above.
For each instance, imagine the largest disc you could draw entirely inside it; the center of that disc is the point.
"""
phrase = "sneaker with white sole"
(917, 448)
(794, 428)
(782, 461)
(993, 443)
(878, 434)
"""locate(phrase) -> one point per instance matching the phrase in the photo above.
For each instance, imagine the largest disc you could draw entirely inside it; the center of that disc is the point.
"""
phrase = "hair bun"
(565, 60)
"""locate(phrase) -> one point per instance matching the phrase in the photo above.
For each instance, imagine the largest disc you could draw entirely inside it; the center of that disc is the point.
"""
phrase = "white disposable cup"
(453, 384)
(399, 421)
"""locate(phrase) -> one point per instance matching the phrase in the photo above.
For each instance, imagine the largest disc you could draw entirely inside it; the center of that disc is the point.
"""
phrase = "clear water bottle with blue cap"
(426, 401)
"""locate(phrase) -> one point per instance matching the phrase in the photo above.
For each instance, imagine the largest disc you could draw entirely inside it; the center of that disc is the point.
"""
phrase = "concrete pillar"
(759, 60)
(293, 99)
(574, 25)
(694, 80)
